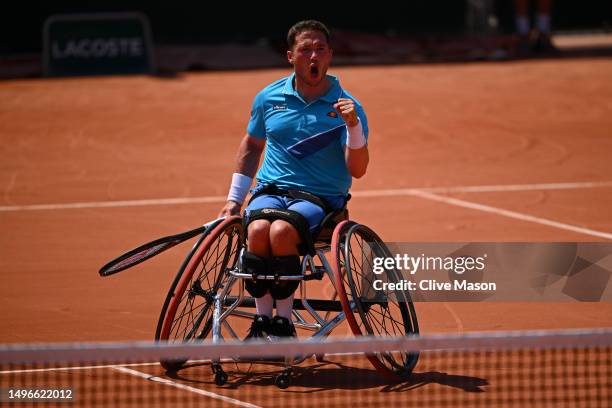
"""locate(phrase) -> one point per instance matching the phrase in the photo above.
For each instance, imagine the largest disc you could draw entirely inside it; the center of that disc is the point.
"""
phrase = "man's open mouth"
(314, 70)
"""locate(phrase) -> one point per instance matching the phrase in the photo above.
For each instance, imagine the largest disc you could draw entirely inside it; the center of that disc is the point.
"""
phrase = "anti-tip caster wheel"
(220, 378)
(283, 380)
(220, 375)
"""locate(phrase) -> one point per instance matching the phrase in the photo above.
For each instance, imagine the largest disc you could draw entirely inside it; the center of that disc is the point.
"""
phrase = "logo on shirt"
(279, 106)
(332, 114)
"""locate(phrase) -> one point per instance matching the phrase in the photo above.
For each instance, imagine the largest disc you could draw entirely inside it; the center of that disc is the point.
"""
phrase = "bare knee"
(284, 238)
(259, 237)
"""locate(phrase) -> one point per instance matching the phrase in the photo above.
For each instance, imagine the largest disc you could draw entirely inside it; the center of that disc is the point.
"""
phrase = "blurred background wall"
(427, 23)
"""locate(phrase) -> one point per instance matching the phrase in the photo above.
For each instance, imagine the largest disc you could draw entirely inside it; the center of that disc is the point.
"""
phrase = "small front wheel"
(220, 378)
(283, 380)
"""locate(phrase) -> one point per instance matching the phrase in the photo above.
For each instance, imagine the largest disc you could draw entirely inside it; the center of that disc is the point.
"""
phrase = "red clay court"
(490, 152)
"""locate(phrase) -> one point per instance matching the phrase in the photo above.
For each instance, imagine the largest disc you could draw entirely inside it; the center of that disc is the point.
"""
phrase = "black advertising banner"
(97, 44)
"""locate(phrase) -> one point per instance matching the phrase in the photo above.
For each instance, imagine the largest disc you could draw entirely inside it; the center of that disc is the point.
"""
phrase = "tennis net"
(527, 368)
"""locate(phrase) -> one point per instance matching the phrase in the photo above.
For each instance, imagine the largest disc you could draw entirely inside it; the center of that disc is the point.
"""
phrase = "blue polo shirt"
(304, 141)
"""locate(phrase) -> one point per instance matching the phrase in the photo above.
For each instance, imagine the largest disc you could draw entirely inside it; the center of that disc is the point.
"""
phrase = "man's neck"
(311, 93)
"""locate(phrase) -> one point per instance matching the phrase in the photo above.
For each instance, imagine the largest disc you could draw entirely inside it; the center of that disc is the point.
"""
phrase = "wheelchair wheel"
(177, 278)
(188, 314)
(369, 312)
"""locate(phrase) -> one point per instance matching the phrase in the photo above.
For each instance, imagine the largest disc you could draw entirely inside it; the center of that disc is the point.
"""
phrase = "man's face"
(310, 57)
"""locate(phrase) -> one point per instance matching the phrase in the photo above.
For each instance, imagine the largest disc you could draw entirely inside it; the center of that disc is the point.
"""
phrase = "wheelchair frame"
(222, 305)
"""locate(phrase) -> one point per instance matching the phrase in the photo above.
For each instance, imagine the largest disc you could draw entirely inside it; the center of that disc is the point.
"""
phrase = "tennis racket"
(150, 249)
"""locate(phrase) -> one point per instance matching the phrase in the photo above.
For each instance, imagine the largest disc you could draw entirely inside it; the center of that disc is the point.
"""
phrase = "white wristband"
(356, 139)
(240, 187)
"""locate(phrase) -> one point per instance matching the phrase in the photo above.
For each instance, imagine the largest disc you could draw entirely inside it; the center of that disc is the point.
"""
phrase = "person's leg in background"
(543, 41)
(540, 40)
(523, 27)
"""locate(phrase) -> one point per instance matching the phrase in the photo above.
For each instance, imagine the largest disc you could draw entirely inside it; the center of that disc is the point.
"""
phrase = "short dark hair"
(306, 25)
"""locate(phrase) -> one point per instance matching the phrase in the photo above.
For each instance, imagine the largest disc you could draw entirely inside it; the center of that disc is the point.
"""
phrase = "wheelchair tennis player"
(314, 134)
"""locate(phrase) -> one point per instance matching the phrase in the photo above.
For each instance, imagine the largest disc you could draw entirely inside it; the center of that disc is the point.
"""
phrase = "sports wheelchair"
(208, 294)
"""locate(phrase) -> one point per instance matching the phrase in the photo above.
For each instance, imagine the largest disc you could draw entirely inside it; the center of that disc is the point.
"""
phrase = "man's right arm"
(247, 161)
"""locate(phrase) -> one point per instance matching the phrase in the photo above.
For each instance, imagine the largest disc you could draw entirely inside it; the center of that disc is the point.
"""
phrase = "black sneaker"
(282, 327)
(260, 328)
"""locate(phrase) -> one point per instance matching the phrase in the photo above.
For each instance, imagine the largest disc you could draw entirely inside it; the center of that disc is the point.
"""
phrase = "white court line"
(362, 193)
(110, 204)
(511, 214)
(427, 193)
(458, 321)
(93, 367)
(482, 189)
(184, 387)
(70, 368)
(518, 187)
(73, 368)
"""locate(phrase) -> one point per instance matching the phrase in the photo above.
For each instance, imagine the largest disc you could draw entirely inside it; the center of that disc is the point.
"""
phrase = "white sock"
(264, 305)
(543, 23)
(284, 307)
(522, 25)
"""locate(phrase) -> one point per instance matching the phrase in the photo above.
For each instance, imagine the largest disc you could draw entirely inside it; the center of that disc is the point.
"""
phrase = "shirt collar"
(332, 95)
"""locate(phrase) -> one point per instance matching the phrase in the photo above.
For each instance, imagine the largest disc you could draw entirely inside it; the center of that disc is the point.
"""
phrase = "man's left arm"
(356, 153)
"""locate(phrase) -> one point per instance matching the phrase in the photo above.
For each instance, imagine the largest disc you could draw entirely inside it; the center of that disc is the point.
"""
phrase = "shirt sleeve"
(256, 126)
